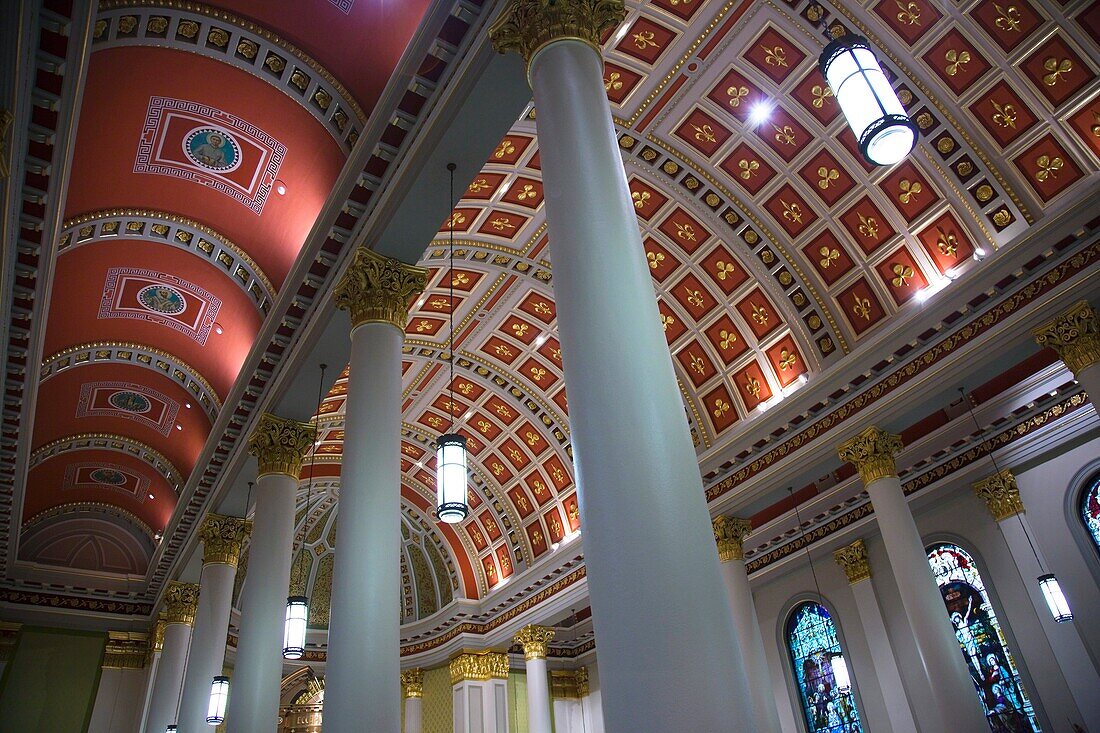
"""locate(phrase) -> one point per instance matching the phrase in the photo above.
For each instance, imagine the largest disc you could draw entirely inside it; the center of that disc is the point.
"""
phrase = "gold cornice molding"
(280, 445)
(377, 289)
(1074, 335)
(872, 452)
(729, 535)
(853, 559)
(180, 602)
(534, 639)
(1000, 494)
(481, 666)
(412, 683)
(527, 26)
(222, 538)
(126, 650)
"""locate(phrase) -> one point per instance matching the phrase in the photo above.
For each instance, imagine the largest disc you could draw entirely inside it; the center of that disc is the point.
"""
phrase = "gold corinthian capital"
(853, 559)
(280, 445)
(534, 639)
(479, 666)
(526, 26)
(729, 535)
(180, 602)
(377, 289)
(1000, 494)
(1074, 335)
(412, 683)
(872, 452)
(222, 538)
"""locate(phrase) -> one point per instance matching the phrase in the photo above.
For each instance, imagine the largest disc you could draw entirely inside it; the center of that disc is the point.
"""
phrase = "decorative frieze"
(412, 683)
(222, 539)
(377, 289)
(526, 26)
(180, 601)
(1000, 494)
(479, 667)
(126, 650)
(872, 452)
(730, 534)
(853, 559)
(280, 445)
(563, 684)
(1074, 335)
(534, 639)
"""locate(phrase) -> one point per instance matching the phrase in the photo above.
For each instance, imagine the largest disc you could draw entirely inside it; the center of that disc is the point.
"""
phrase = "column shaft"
(668, 654)
(413, 715)
(207, 645)
(254, 696)
(747, 630)
(166, 686)
(952, 689)
(882, 655)
(363, 671)
(538, 696)
(1089, 377)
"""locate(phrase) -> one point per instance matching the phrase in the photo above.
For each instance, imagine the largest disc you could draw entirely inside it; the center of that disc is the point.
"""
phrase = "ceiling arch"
(88, 537)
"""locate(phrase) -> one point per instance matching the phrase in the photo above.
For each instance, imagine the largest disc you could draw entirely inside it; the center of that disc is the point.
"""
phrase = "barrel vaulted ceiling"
(778, 257)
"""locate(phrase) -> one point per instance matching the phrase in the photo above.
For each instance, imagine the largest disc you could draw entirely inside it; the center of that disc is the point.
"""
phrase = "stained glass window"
(812, 642)
(988, 659)
(1090, 511)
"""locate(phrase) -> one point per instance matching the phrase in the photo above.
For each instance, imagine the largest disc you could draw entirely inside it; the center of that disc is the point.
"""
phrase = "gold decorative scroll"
(479, 667)
(534, 639)
(582, 681)
(180, 602)
(526, 26)
(412, 683)
(1000, 494)
(872, 452)
(853, 559)
(222, 538)
(126, 650)
(1074, 335)
(730, 534)
(280, 445)
(377, 289)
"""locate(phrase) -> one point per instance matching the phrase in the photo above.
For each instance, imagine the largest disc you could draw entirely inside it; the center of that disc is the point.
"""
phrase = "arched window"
(1007, 705)
(827, 702)
(1090, 510)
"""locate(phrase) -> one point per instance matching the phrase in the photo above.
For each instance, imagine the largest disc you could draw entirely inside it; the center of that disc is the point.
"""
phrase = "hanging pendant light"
(171, 728)
(1048, 583)
(219, 699)
(297, 607)
(450, 455)
(872, 109)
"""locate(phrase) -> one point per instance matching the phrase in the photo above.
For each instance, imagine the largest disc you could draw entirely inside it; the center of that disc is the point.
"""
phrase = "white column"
(412, 688)
(730, 534)
(279, 446)
(479, 692)
(221, 542)
(566, 700)
(853, 559)
(667, 650)
(179, 614)
(362, 673)
(1075, 336)
(591, 704)
(956, 700)
(156, 645)
(534, 639)
(1002, 496)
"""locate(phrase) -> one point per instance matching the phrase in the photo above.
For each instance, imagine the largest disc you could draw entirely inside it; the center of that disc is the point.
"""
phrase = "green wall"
(517, 702)
(437, 708)
(49, 686)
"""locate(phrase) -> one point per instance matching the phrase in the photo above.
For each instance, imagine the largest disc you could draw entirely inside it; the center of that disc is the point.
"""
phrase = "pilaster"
(729, 535)
(853, 560)
(1000, 494)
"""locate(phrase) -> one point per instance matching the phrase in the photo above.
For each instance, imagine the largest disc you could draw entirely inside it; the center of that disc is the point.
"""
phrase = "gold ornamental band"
(479, 666)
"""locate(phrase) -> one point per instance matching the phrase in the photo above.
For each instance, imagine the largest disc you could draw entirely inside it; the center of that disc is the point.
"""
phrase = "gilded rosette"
(853, 559)
(377, 289)
(872, 452)
(729, 535)
(222, 538)
(280, 445)
(180, 602)
(534, 639)
(1074, 335)
(412, 683)
(479, 667)
(526, 26)
(1000, 494)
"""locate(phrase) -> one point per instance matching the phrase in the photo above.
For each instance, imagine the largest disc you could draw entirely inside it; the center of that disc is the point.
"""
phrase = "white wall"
(118, 701)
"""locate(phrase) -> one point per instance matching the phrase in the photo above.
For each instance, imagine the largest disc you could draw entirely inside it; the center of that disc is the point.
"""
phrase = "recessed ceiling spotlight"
(218, 329)
(979, 254)
(179, 427)
(187, 405)
(541, 340)
(280, 187)
(151, 496)
(923, 294)
(760, 113)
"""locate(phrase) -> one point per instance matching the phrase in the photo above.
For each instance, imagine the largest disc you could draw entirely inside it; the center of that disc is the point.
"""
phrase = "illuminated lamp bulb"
(760, 113)
(450, 478)
(294, 632)
(1056, 600)
(840, 672)
(219, 699)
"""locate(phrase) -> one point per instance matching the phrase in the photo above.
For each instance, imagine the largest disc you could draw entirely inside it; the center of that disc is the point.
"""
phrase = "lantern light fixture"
(171, 728)
(450, 456)
(871, 107)
(219, 700)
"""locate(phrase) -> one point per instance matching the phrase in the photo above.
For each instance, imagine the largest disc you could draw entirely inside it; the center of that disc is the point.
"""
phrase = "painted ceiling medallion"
(162, 299)
(212, 148)
(129, 401)
(108, 476)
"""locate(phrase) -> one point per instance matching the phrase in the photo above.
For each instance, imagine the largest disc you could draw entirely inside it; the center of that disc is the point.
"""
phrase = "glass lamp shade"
(871, 108)
(450, 478)
(1056, 600)
(219, 699)
(294, 633)
(172, 728)
(840, 672)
